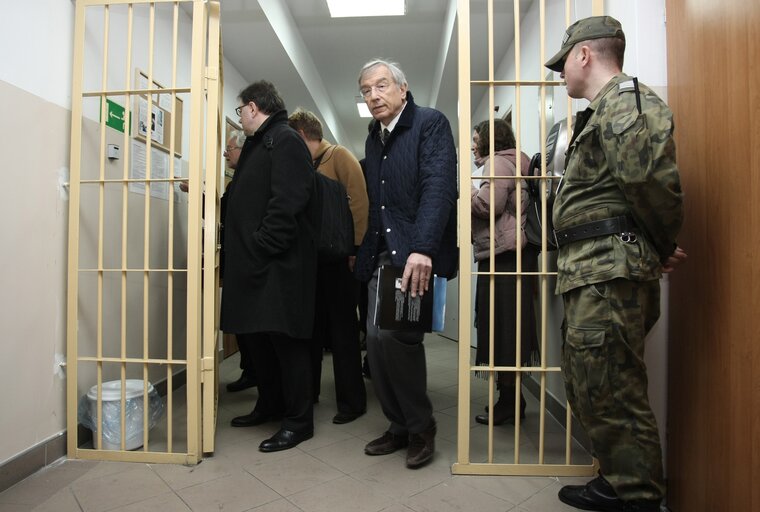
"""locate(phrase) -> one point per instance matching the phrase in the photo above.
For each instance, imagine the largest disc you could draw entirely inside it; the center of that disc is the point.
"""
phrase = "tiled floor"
(329, 473)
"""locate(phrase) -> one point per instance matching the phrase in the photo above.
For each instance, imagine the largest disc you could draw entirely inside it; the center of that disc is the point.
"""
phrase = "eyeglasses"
(380, 88)
(229, 149)
(239, 109)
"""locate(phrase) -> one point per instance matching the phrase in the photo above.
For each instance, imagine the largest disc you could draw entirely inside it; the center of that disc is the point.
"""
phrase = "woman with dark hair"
(475, 143)
(504, 156)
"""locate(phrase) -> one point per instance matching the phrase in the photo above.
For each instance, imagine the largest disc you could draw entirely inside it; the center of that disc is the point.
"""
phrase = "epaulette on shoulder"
(631, 85)
(627, 86)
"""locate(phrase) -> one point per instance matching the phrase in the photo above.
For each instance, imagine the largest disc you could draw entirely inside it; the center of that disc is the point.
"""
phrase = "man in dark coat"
(412, 186)
(271, 264)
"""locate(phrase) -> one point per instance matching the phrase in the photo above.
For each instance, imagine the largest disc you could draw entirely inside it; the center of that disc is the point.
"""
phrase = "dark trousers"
(246, 363)
(282, 366)
(606, 381)
(399, 371)
(336, 325)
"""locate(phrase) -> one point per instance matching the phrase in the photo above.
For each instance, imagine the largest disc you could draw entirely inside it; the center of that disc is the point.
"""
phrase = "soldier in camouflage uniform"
(616, 216)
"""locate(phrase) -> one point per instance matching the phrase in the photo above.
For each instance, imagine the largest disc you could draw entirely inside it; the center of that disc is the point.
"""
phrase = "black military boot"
(504, 408)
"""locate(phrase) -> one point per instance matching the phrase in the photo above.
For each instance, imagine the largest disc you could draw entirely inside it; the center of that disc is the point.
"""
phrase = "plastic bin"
(111, 420)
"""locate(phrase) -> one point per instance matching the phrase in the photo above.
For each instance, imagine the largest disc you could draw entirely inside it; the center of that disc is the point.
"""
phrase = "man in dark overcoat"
(271, 264)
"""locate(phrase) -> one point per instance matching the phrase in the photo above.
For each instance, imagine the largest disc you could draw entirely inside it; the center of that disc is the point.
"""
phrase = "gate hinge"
(207, 366)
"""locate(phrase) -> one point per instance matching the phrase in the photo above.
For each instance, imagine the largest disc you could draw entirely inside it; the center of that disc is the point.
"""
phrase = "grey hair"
(398, 76)
(239, 137)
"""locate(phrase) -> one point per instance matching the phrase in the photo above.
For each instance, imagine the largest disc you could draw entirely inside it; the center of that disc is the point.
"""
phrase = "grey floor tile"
(546, 501)
(294, 474)
(43, 484)
(168, 502)
(62, 501)
(234, 493)
(397, 507)
(513, 489)
(326, 434)
(179, 476)
(391, 478)
(118, 489)
(347, 456)
(15, 507)
(282, 505)
(342, 495)
(455, 496)
(247, 453)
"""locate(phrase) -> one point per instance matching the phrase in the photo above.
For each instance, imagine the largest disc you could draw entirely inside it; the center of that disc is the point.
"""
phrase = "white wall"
(35, 94)
(36, 48)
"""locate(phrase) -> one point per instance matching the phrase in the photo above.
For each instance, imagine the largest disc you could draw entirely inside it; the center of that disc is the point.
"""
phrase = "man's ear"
(584, 55)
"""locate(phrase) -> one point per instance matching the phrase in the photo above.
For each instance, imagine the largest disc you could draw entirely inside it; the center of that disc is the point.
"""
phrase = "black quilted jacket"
(412, 187)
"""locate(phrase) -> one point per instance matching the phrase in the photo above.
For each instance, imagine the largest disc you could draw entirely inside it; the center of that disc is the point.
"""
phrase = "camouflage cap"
(595, 27)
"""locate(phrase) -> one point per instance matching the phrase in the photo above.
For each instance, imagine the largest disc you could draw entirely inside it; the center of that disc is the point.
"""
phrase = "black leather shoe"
(599, 495)
(503, 412)
(386, 444)
(346, 417)
(252, 419)
(244, 382)
(284, 440)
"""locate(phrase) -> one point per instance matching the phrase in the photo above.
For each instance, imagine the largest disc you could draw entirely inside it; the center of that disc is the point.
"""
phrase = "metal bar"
(125, 201)
(194, 292)
(133, 92)
(72, 274)
(88, 3)
(101, 215)
(170, 263)
(517, 123)
(492, 378)
(132, 180)
(544, 258)
(525, 469)
(135, 360)
(133, 456)
(211, 285)
(465, 249)
(129, 270)
(514, 369)
(512, 83)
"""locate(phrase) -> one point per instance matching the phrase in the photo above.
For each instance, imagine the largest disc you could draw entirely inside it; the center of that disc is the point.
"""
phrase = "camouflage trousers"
(606, 381)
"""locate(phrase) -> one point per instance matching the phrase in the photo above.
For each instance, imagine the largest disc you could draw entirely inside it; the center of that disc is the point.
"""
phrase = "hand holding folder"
(397, 310)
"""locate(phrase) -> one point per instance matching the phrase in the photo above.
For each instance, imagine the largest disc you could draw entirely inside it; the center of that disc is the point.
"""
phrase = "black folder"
(399, 311)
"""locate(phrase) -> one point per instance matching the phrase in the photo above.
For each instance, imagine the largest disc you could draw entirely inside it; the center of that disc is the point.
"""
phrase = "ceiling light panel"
(362, 8)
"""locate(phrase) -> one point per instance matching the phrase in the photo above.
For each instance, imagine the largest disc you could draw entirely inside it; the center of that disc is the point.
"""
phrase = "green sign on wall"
(115, 116)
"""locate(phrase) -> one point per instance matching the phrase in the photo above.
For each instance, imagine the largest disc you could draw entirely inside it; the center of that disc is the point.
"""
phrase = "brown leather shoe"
(386, 444)
(421, 448)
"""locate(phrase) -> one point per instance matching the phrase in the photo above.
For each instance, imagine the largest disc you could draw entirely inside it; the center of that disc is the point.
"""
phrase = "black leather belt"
(623, 225)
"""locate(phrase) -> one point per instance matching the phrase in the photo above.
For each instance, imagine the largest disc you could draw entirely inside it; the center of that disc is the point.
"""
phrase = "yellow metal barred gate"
(142, 299)
(539, 444)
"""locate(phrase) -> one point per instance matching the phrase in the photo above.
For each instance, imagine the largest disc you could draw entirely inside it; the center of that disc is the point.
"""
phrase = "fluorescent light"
(363, 108)
(361, 8)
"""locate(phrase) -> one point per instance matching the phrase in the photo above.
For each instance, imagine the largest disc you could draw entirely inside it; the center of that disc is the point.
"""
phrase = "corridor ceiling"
(314, 60)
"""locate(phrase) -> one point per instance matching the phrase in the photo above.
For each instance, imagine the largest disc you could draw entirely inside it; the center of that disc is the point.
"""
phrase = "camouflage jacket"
(619, 162)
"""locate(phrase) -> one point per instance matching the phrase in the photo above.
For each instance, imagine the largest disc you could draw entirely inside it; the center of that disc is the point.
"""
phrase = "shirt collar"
(394, 121)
